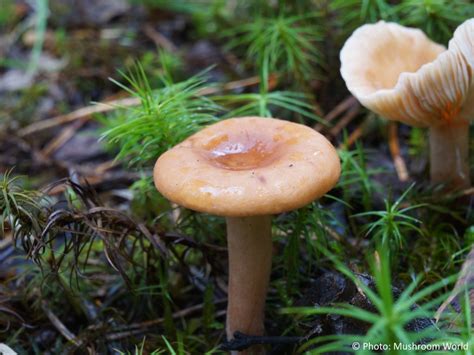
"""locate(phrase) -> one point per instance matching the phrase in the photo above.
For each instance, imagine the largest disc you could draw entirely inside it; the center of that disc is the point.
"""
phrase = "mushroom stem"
(449, 155)
(250, 259)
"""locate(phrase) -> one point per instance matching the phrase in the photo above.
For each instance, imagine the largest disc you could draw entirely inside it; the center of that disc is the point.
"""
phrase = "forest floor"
(100, 264)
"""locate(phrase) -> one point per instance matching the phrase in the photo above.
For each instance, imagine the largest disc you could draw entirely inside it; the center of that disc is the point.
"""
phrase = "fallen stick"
(100, 107)
(80, 113)
(394, 147)
(60, 327)
(142, 327)
(62, 138)
(354, 136)
(342, 107)
(345, 120)
(158, 39)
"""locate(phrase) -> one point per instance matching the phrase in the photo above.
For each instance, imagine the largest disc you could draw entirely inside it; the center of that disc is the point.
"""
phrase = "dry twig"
(345, 120)
(138, 328)
(101, 107)
(159, 39)
(62, 138)
(342, 107)
(85, 112)
(354, 136)
(394, 147)
(61, 328)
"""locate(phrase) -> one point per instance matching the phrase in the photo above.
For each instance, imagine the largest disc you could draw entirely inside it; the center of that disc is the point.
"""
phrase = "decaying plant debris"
(94, 260)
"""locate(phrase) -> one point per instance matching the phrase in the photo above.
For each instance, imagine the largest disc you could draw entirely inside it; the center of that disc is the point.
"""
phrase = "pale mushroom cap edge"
(283, 166)
(402, 75)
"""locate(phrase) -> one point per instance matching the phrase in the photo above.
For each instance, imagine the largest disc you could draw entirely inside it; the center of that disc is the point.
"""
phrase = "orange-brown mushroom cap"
(248, 166)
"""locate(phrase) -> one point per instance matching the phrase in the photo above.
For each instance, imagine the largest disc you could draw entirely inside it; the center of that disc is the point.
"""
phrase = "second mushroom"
(248, 169)
(402, 75)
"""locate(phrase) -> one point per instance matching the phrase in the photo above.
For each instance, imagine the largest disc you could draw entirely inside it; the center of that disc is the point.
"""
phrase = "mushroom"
(248, 169)
(402, 75)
